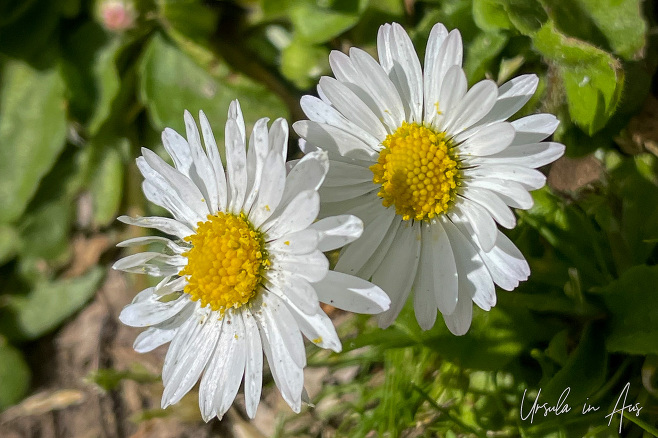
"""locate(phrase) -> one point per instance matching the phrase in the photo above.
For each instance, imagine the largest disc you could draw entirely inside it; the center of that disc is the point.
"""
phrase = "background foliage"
(84, 85)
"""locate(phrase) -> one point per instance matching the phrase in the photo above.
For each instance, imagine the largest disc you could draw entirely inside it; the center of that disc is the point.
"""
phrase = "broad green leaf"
(171, 82)
(481, 52)
(570, 232)
(621, 22)
(583, 373)
(527, 16)
(592, 78)
(106, 185)
(490, 15)
(195, 19)
(9, 242)
(45, 230)
(633, 323)
(48, 305)
(14, 375)
(92, 75)
(46, 225)
(33, 132)
(29, 33)
(303, 63)
(316, 24)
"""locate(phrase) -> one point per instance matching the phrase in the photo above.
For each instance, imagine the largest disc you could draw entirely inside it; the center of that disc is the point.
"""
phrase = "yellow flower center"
(226, 263)
(417, 172)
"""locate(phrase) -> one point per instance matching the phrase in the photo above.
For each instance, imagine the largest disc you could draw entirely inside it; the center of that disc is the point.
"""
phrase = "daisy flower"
(430, 167)
(244, 272)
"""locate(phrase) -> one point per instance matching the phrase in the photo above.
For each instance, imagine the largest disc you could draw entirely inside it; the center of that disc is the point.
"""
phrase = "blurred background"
(84, 84)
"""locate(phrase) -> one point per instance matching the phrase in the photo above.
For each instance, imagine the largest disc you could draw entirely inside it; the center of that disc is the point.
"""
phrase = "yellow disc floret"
(417, 172)
(226, 263)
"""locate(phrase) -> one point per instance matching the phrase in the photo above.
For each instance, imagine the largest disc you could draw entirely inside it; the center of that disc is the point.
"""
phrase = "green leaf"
(316, 24)
(9, 242)
(47, 222)
(633, 324)
(29, 32)
(481, 52)
(107, 174)
(48, 305)
(90, 70)
(490, 15)
(592, 78)
(33, 130)
(194, 19)
(584, 372)
(14, 375)
(303, 63)
(527, 16)
(171, 82)
(621, 22)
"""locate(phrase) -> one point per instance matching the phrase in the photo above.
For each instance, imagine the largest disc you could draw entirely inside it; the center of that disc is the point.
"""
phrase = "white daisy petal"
(342, 193)
(188, 368)
(236, 366)
(425, 305)
(334, 140)
(278, 137)
(202, 172)
(534, 128)
(307, 174)
(351, 293)
(298, 242)
(253, 374)
(215, 161)
(529, 178)
(343, 174)
(287, 375)
(372, 264)
(320, 111)
(313, 266)
(171, 202)
(337, 231)
(300, 212)
(488, 140)
(408, 74)
(256, 157)
(450, 96)
(432, 79)
(529, 155)
(300, 293)
(498, 210)
(438, 257)
(384, 47)
(397, 271)
(512, 193)
(351, 107)
(166, 225)
(236, 166)
(354, 257)
(344, 70)
(272, 186)
(148, 240)
(235, 113)
(477, 102)
(318, 329)
(481, 221)
(478, 283)
(151, 311)
(278, 326)
(379, 86)
(152, 338)
(512, 95)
